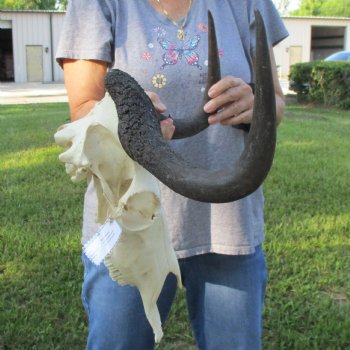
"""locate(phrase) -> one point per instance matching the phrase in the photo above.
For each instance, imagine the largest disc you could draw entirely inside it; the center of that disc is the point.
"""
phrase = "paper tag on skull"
(101, 244)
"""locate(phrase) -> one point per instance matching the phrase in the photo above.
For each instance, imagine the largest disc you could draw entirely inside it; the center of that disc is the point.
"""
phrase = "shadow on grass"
(307, 304)
(41, 307)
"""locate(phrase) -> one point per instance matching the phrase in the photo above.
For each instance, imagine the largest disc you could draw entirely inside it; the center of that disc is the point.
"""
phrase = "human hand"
(166, 125)
(231, 103)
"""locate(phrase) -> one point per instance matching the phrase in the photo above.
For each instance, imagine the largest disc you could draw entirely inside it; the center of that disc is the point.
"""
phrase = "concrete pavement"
(19, 93)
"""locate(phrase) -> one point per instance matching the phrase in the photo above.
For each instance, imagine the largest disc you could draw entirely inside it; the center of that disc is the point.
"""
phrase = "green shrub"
(322, 82)
(299, 77)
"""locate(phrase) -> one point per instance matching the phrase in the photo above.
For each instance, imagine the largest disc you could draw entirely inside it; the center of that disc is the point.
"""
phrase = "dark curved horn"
(189, 126)
(141, 137)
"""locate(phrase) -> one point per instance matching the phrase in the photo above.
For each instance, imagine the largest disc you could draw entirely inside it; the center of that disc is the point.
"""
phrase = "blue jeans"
(224, 295)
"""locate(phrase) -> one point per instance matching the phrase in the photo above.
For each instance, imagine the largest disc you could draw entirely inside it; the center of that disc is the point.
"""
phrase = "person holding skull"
(163, 45)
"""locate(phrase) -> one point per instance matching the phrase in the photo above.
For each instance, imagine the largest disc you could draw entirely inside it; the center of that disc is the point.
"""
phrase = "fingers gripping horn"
(141, 137)
(189, 126)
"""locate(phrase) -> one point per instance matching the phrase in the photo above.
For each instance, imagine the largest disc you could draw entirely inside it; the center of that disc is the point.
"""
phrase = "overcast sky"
(293, 5)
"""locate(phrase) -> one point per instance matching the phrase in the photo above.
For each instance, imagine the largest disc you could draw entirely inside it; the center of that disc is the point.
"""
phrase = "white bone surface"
(126, 192)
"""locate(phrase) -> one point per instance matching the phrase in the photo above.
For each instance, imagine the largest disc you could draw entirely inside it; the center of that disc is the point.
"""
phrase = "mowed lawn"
(307, 236)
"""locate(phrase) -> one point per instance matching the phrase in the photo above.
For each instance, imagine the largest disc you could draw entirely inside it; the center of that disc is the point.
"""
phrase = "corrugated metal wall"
(31, 29)
(300, 36)
(57, 23)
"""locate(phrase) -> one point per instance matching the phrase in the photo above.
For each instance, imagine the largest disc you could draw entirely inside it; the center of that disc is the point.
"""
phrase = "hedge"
(322, 82)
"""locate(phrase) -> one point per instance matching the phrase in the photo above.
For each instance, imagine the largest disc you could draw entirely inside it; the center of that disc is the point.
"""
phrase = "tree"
(282, 6)
(337, 8)
(62, 4)
(32, 4)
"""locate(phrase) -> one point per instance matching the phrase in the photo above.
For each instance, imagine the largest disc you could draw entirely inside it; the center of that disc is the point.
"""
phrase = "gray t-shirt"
(132, 36)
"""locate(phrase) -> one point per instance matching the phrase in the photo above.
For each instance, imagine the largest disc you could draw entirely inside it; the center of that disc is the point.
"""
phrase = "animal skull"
(126, 192)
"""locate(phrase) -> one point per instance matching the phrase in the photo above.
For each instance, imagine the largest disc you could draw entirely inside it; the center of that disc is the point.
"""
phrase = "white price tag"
(101, 244)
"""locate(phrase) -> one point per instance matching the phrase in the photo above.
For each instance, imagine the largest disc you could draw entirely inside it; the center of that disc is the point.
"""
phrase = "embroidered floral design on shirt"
(160, 31)
(175, 52)
(146, 56)
(203, 27)
(159, 81)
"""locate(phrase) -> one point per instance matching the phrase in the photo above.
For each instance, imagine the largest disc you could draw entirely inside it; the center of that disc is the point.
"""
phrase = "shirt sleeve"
(88, 31)
(275, 28)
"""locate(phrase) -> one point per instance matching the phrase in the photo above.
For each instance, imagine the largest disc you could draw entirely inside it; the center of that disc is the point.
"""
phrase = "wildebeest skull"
(126, 192)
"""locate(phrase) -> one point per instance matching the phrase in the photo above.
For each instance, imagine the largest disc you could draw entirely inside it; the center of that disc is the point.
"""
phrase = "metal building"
(310, 39)
(28, 42)
(29, 39)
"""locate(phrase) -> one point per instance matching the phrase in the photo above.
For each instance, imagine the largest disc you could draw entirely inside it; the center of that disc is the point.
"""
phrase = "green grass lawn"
(307, 236)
